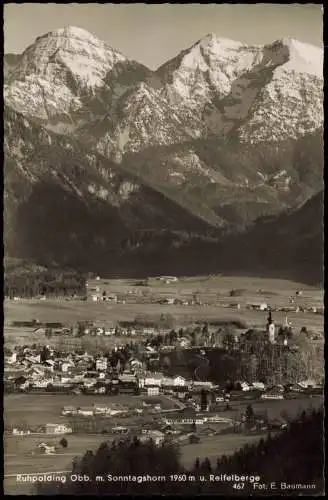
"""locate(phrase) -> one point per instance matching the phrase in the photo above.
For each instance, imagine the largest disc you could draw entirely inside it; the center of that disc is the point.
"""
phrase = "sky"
(152, 34)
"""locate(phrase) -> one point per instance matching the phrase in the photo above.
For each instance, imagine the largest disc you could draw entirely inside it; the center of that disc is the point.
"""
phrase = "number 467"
(238, 486)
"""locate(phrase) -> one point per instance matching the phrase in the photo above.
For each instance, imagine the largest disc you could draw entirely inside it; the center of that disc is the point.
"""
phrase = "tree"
(80, 329)
(48, 332)
(205, 329)
(249, 414)
(228, 340)
(203, 400)
(167, 321)
(45, 354)
(63, 442)
(206, 465)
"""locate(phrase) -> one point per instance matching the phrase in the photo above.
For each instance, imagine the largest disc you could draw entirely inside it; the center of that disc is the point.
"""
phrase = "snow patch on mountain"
(303, 57)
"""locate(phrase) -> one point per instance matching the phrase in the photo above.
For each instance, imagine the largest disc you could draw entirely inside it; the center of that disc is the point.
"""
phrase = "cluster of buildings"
(42, 368)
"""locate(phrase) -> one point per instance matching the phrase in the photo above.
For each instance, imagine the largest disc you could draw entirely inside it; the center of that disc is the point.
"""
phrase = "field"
(40, 409)
(213, 291)
(214, 446)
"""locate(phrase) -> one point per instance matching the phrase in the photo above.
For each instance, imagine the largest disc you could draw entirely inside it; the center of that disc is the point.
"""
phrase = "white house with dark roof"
(58, 429)
(151, 380)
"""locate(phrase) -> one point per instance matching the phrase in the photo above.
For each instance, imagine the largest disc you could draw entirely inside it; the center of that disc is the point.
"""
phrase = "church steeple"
(270, 320)
(271, 328)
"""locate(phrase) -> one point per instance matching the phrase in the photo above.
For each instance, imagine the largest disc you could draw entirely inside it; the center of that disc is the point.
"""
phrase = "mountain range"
(103, 155)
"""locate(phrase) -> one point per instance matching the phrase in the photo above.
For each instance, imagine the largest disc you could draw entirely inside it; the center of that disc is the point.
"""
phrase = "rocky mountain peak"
(68, 49)
(300, 57)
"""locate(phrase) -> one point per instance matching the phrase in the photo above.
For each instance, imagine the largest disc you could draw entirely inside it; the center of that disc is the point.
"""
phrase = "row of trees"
(51, 283)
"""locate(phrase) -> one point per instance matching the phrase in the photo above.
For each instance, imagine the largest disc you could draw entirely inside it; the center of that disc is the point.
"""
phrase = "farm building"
(101, 364)
(100, 410)
(258, 306)
(100, 290)
(58, 429)
(155, 435)
(20, 432)
(48, 449)
(69, 410)
(153, 390)
(86, 412)
(151, 380)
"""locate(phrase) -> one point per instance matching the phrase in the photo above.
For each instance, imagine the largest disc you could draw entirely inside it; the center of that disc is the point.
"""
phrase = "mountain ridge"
(214, 139)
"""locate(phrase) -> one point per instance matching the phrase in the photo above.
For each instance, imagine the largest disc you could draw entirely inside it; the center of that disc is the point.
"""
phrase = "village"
(205, 380)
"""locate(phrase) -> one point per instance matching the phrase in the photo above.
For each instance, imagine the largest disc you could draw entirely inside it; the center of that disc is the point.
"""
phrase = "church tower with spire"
(271, 328)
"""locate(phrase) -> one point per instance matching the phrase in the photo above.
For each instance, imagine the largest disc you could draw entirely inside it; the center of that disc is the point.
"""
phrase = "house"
(168, 301)
(153, 390)
(100, 410)
(149, 331)
(34, 358)
(168, 279)
(245, 386)
(119, 430)
(49, 364)
(184, 342)
(151, 380)
(46, 448)
(58, 429)
(135, 364)
(43, 383)
(218, 419)
(112, 298)
(179, 381)
(12, 359)
(150, 350)
(258, 306)
(113, 411)
(101, 364)
(109, 331)
(20, 432)
(186, 421)
(167, 382)
(156, 436)
(66, 365)
(304, 384)
(69, 410)
(86, 412)
(127, 377)
(258, 385)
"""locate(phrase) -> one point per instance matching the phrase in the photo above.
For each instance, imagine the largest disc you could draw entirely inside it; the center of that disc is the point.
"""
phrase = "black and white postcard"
(163, 249)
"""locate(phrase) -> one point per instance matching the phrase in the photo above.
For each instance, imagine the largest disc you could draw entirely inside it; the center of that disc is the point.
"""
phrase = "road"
(176, 402)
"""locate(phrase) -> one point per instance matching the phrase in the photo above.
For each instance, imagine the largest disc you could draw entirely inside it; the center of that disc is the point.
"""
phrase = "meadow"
(212, 291)
(39, 409)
